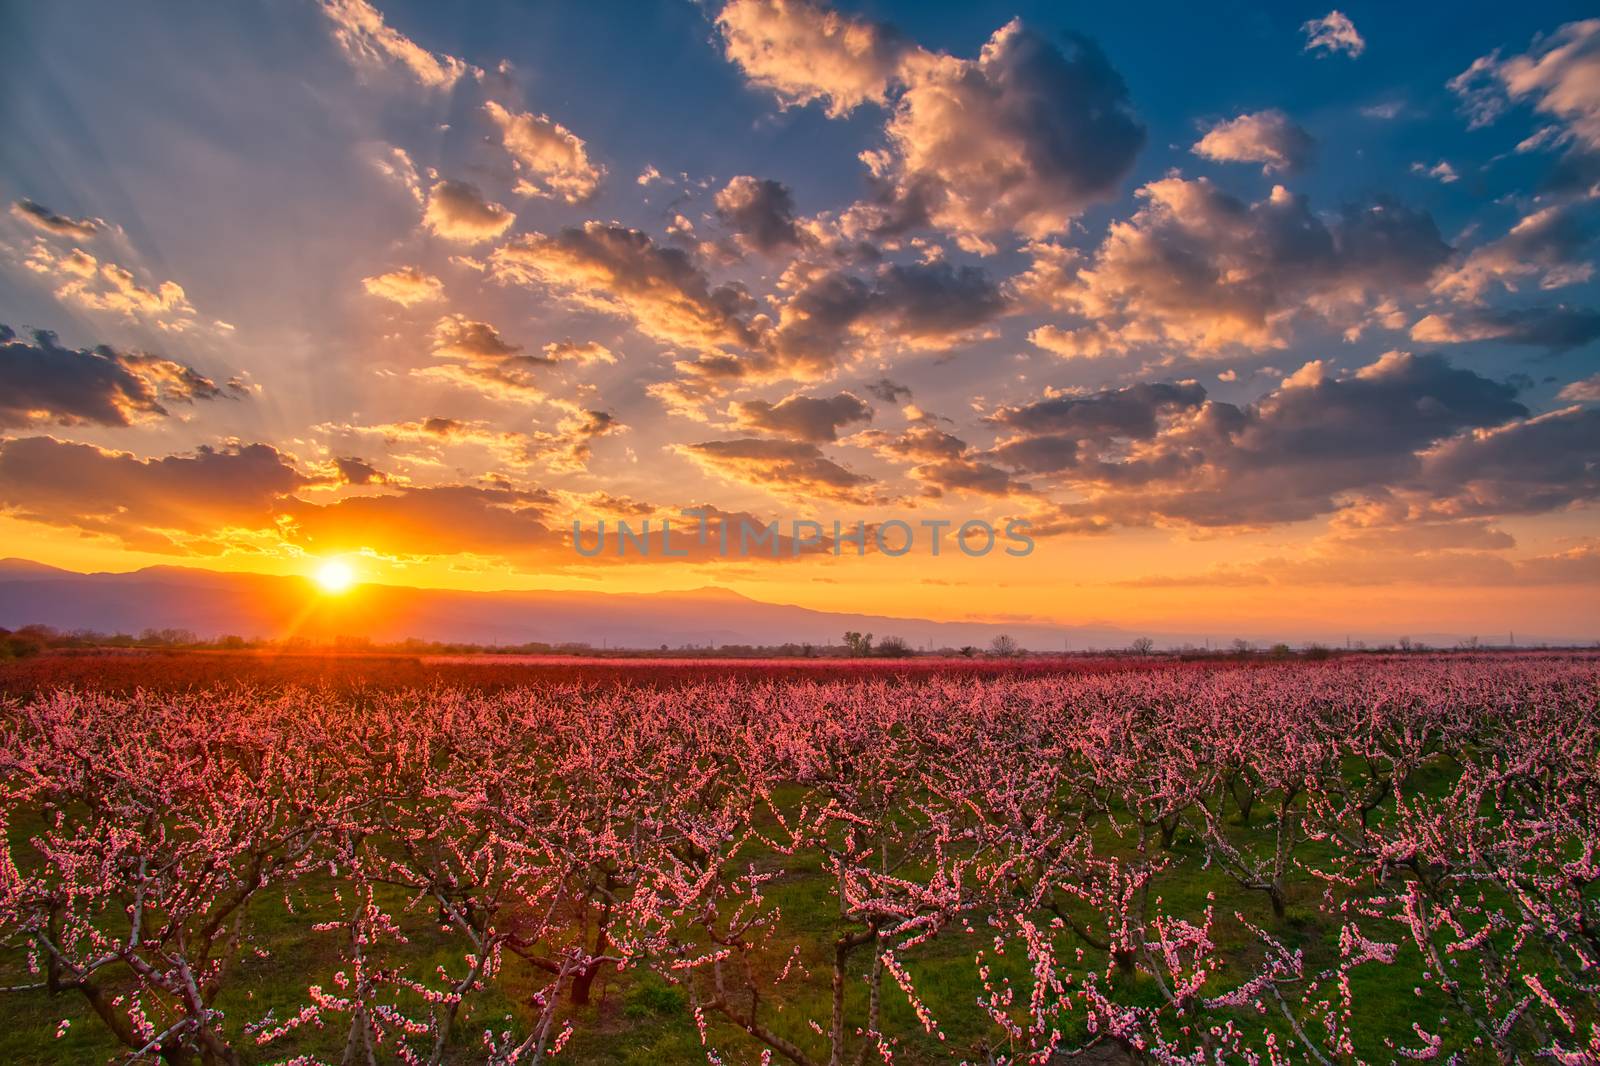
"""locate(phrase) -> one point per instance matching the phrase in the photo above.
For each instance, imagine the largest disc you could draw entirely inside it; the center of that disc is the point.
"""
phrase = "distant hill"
(213, 604)
(252, 605)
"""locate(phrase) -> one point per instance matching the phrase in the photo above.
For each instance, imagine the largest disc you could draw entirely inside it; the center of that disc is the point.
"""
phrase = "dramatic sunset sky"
(1260, 314)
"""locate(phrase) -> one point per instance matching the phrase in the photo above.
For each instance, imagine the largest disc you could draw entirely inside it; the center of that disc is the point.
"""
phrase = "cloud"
(1050, 436)
(1333, 33)
(832, 314)
(585, 354)
(941, 461)
(1442, 172)
(1198, 268)
(804, 52)
(106, 286)
(1265, 137)
(571, 447)
(395, 164)
(483, 360)
(458, 337)
(155, 504)
(808, 418)
(426, 441)
(439, 520)
(1132, 412)
(760, 212)
(458, 212)
(553, 161)
(1166, 453)
(1584, 391)
(1556, 329)
(1559, 76)
(972, 476)
(1530, 466)
(423, 440)
(608, 267)
(888, 391)
(1549, 247)
(922, 441)
(407, 286)
(370, 42)
(1090, 341)
(1021, 139)
(244, 496)
(44, 382)
(42, 218)
(354, 470)
(786, 467)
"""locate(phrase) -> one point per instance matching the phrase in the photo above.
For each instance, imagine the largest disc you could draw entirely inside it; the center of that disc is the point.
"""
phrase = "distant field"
(180, 669)
(241, 858)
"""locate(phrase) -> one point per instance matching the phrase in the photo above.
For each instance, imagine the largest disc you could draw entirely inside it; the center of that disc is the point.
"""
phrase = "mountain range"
(213, 604)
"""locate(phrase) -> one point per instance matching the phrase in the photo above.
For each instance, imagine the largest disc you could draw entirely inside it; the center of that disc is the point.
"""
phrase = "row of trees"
(860, 646)
(31, 640)
(1190, 866)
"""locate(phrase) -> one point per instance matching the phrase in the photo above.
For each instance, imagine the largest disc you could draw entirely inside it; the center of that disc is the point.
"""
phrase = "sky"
(1263, 316)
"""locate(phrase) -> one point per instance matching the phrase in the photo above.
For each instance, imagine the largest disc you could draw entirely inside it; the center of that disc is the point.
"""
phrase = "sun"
(335, 576)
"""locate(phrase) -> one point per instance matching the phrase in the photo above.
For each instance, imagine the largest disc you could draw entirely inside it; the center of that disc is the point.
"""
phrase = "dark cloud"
(784, 466)
(190, 503)
(1165, 453)
(1527, 467)
(922, 440)
(44, 382)
(150, 503)
(1049, 433)
(760, 212)
(357, 471)
(888, 391)
(1556, 329)
(966, 475)
(835, 313)
(663, 291)
(442, 427)
(1133, 412)
(41, 217)
(808, 418)
(941, 461)
(1293, 454)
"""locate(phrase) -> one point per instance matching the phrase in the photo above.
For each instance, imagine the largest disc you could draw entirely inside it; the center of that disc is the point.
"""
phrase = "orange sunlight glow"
(335, 576)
